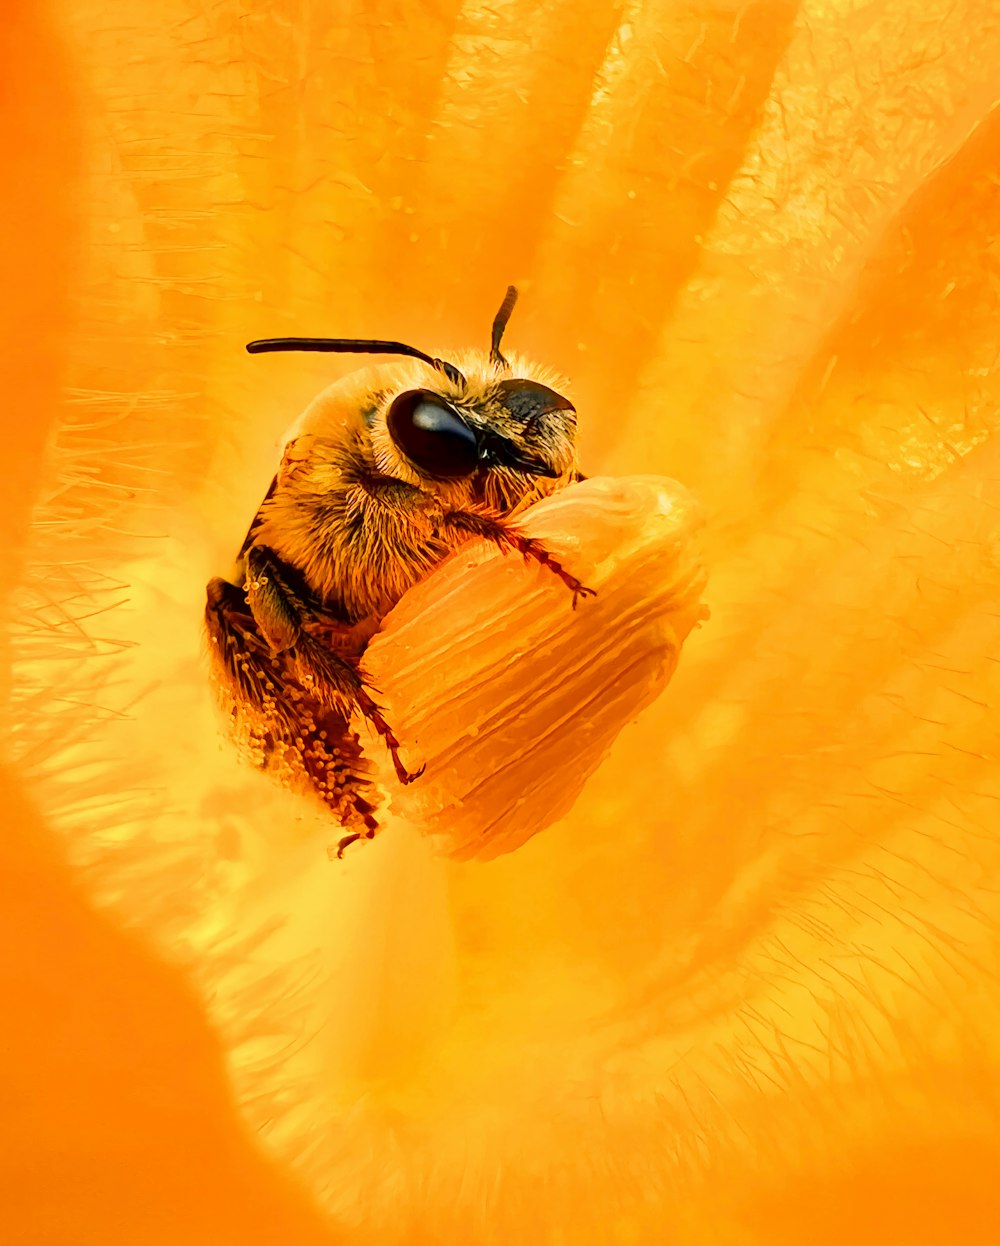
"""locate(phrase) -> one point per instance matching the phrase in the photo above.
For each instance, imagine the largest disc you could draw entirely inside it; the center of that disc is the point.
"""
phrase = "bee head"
(504, 433)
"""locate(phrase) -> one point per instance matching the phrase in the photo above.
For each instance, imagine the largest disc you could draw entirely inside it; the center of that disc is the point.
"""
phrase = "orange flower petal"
(512, 698)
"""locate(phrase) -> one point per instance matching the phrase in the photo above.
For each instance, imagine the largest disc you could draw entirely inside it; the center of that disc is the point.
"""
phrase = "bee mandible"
(387, 472)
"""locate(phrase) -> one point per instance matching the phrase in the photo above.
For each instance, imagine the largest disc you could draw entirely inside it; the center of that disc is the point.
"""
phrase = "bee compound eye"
(432, 435)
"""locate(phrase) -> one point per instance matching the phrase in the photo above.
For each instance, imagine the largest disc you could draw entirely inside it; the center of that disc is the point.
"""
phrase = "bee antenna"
(354, 346)
(499, 324)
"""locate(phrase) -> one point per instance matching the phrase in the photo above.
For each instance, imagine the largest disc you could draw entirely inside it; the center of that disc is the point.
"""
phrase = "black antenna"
(499, 324)
(354, 346)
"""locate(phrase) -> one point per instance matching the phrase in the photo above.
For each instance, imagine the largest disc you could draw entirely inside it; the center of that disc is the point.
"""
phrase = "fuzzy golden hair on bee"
(385, 474)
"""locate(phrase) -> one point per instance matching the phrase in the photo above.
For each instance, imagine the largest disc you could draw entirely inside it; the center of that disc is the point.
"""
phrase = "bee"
(386, 473)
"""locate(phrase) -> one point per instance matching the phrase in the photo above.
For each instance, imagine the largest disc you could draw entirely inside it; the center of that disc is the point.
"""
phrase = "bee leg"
(242, 659)
(507, 536)
(334, 680)
(280, 610)
(275, 609)
(292, 717)
(347, 840)
(287, 622)
(374, 715)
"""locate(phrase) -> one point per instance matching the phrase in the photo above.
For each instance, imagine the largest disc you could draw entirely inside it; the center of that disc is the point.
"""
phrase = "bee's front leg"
(508, 536)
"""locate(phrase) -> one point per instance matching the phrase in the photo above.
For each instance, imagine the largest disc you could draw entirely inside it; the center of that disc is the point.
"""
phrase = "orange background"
(747, 992)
